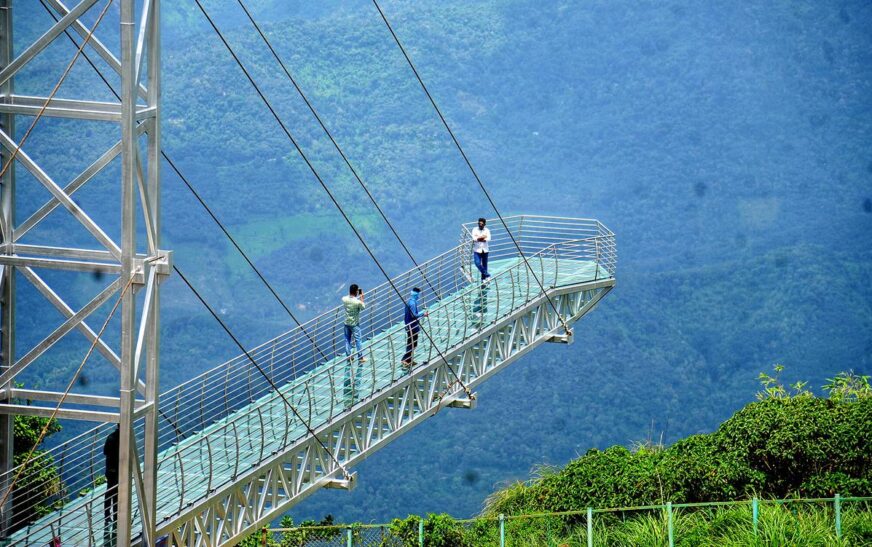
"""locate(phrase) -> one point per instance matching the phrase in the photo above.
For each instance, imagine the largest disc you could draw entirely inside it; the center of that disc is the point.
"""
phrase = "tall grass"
(778, 525)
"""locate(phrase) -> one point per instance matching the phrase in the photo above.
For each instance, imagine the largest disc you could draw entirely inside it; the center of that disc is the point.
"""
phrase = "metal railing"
(587, 527)
(534, 233)
(239, 421)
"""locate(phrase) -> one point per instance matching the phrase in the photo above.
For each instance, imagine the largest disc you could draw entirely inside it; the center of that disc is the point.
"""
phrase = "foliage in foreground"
(787, 444)
(787, 524)
(42, 480)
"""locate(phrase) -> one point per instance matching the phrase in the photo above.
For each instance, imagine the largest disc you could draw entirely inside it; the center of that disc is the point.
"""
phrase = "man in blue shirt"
(413, 314)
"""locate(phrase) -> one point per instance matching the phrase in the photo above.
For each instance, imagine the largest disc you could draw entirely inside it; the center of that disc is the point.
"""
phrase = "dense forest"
(727, 146)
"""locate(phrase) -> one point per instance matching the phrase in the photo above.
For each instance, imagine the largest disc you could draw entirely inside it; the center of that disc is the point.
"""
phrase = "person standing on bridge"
(480, 237)
(111, 450)
(412, 320)
(353, 304)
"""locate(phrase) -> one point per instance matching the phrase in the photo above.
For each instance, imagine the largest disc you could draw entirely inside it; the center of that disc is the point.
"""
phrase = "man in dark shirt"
(110, 499)
(412, 316)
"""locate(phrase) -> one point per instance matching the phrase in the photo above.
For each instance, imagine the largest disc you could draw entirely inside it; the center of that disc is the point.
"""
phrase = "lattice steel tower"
(134, 349)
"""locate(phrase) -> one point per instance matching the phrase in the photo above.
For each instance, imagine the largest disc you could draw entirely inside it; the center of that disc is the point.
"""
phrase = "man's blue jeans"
(352, 333)
(481, 264)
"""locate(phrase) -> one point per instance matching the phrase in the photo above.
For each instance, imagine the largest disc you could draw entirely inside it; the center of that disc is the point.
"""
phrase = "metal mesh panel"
(484, 532)
(543, 530)
(333, 536)
(668, 524)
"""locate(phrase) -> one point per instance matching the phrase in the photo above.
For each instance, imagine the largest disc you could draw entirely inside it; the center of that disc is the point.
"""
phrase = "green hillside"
(726, 145)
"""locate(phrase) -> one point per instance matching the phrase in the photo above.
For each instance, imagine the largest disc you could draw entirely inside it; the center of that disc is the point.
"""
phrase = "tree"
(39, 489)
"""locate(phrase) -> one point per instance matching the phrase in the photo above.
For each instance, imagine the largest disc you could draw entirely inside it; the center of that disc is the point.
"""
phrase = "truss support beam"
(342, 484)
(259, 495)
(563, 338)
(7, 278)
(135, 350)
(43, 41)
(65, 108)
(62, 414)
(464, 402)
(95, 44)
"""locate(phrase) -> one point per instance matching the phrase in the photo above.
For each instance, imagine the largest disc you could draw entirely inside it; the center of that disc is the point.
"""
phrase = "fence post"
(421, 532)
(589, 527)
(502, 530)
(263, 536)
(669, 523)
(755, 513)
(596, 259)
(349, 539)
(837, 502)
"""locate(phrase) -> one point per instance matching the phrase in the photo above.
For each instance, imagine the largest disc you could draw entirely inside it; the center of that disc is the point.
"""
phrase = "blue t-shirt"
(413, 312)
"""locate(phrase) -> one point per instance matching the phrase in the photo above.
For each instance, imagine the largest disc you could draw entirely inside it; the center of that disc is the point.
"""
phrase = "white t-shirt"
(480, 246)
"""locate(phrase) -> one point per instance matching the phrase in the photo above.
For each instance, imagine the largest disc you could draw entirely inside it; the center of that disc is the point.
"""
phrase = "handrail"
(293, 361)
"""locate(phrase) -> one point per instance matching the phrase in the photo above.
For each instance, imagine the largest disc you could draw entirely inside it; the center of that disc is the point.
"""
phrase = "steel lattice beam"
(135, 352)
(261, 494)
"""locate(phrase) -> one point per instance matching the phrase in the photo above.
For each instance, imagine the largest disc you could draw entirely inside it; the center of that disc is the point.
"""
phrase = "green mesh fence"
(330, 536)
(820, 521)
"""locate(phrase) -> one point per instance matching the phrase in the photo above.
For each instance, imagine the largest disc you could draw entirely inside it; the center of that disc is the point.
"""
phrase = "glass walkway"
(233, 455)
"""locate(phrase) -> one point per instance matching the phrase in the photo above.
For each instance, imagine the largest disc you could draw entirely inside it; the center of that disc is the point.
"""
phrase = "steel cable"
(469, 164)
(202, 202)
(336, 146)
(324, 186)
(54, 91)
(261, 371)
(63, 398)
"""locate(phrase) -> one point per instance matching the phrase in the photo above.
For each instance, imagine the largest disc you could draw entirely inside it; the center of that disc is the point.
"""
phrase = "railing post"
(502, 530)
(669, 523)
(349, 538)
(521, 233)
(421, 532)
(589, 527)
(837, 503)
(755, 513)
(596, 258)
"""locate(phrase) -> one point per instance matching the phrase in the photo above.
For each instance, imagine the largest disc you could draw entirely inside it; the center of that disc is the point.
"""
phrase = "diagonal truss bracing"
(23, 256)
(230, 453)
(260, 495)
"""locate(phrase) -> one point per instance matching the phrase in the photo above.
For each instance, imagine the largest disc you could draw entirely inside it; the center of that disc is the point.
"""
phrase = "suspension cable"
(469, 164)
(54, 91)
(327, 190)
(354, 172)
(63, 398)
(245, 256)
(203, 203)
(263, 373)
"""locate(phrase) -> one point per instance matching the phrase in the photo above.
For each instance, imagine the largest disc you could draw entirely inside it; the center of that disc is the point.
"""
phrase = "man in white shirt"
(353, 304)
(480, 238)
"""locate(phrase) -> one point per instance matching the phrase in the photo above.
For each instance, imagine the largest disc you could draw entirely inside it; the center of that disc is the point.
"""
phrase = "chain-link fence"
(819, 521)
(357, 535)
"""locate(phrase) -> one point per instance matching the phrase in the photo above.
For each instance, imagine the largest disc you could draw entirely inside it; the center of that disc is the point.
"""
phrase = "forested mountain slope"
(727, 146)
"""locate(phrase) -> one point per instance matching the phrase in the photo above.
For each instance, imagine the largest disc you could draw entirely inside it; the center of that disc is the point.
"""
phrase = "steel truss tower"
(135, 352)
